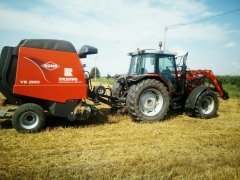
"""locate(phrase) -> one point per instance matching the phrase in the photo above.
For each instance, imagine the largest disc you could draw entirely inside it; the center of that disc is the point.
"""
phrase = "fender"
(193, 96)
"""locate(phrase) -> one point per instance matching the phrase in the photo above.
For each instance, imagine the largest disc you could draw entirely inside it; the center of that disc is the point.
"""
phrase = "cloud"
(116, 27)
(110, 19)
(179, 50)
(230, 45)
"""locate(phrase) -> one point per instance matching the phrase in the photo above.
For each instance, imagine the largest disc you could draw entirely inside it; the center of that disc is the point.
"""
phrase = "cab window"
(167, 66)
(148, 63)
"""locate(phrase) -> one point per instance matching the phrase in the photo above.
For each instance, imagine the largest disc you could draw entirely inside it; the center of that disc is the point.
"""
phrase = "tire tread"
(133, 94)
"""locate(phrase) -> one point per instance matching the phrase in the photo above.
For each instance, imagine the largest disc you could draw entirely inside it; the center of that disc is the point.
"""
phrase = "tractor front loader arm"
(208, 74)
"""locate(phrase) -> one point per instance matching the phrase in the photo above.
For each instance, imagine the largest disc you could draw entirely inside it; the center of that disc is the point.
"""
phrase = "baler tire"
(136, 97)
(207, 105)
(28, 118)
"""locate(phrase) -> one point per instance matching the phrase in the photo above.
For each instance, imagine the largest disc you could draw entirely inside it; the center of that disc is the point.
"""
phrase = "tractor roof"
(152, 51)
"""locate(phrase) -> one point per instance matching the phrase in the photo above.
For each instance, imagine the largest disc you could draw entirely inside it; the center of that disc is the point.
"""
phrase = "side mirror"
(86, 50)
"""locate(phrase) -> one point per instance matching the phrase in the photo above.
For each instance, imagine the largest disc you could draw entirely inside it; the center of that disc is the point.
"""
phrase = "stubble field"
(179, 147)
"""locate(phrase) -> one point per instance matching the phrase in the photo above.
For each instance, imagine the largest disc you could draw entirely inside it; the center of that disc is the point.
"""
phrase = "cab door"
(167, 70)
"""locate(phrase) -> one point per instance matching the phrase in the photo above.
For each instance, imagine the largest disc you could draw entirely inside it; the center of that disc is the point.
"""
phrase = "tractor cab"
(155, 63)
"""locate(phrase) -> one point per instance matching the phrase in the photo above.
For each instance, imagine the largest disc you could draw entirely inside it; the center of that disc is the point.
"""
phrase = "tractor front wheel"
(28, 118)
(148, 100)
(207, 105)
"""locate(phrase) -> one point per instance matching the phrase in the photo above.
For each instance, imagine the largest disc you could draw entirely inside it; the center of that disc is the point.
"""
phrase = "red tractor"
(155, 82)
(47, 76)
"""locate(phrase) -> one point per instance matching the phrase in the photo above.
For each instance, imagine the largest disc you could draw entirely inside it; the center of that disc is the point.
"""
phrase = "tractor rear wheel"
(148, 100)
(28, 118)
(207, 105)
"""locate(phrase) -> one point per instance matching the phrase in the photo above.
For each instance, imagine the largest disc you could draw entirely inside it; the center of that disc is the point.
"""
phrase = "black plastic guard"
(63, 109)
(8, 66)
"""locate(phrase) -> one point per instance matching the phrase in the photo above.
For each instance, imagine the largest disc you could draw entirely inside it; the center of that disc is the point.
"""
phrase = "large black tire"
(28, 118)
(148, 101)
(206, 105)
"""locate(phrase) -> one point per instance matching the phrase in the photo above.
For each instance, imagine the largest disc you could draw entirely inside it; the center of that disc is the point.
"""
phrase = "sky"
(117, 27)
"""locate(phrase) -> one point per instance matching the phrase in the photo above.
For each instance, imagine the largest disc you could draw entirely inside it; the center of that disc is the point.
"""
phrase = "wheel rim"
(151, 102)
(100, 91)
(207, 105)
(29, 120)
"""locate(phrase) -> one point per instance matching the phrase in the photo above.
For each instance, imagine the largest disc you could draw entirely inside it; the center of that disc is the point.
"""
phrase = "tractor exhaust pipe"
(184, 73)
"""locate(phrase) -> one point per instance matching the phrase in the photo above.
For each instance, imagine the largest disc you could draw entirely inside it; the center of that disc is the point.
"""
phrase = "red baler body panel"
(50, 75)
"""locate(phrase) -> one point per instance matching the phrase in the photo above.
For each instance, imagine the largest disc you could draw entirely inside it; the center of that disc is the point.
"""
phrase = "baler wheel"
(207, 105)
(148, 101)
(28, 118)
